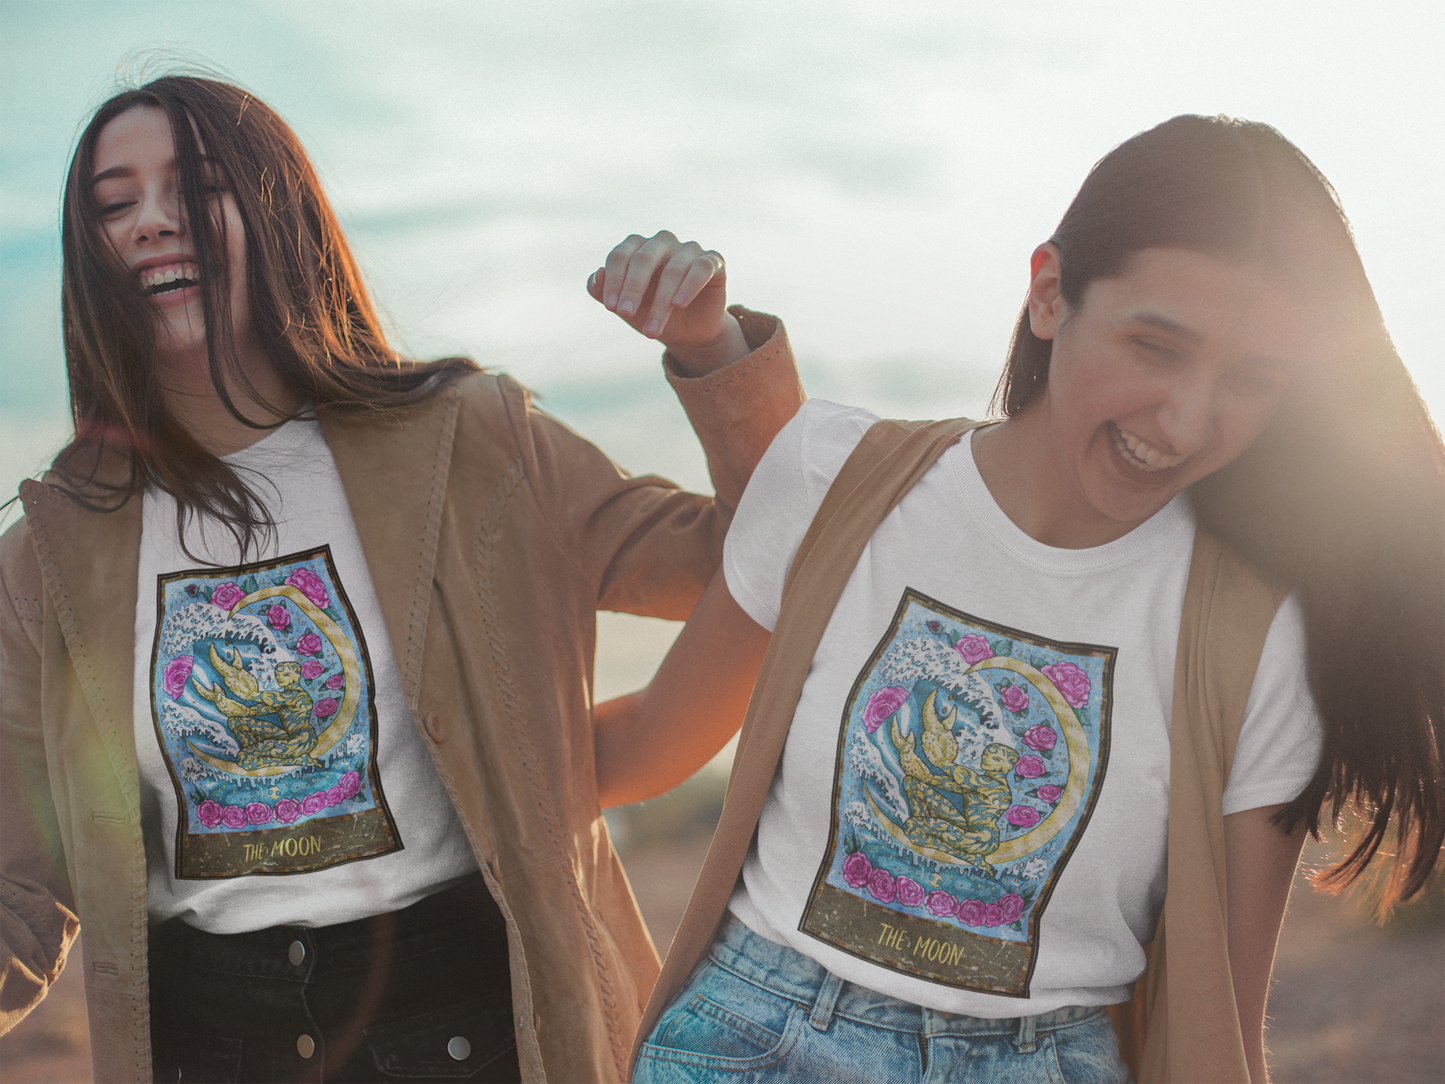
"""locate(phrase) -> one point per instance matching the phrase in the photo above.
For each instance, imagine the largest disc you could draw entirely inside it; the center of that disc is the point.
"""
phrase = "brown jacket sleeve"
(37, 919)
(647, 547)
(738, 410)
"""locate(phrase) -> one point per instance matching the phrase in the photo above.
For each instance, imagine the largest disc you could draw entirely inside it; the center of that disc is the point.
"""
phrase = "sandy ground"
(1351, 1002)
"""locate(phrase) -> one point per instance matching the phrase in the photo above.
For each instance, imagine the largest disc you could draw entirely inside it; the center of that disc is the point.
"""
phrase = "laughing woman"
(1049, 703)
(297, 636)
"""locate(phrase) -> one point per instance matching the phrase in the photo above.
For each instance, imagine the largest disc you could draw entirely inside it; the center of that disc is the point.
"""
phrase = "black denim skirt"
(416, 995)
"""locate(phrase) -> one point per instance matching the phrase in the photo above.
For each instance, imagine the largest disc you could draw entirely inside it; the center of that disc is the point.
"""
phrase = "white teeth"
(185, 273)
(1141, 455)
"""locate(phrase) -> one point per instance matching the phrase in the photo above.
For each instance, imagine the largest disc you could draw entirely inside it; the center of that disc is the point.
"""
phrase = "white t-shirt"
(282, 778)
(970, 810)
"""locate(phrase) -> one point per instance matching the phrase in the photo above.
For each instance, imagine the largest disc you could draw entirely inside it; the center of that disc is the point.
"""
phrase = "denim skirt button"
(459, 1048)
(296, 953)
(305, 1046)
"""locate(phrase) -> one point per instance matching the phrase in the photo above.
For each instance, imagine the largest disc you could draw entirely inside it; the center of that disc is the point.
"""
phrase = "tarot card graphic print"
(970, 757)
(262, 696)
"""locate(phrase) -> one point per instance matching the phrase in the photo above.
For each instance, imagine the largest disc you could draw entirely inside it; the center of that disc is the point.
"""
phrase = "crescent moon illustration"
(1076, 741)
(350, 667)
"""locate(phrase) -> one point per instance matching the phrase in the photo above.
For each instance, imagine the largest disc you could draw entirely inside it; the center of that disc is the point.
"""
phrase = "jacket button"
(435, 727)
(305, 1046)
(459, 1048)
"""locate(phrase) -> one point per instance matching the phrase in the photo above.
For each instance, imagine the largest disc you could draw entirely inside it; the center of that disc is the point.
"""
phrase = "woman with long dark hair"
(1045, 712)
(297, 642)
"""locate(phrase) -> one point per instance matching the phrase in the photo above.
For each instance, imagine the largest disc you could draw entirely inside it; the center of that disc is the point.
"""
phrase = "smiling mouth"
(1140, 455)
(164, 280)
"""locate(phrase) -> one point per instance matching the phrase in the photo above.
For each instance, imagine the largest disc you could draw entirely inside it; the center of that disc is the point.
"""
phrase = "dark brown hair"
(1341, 499)
(309, 309)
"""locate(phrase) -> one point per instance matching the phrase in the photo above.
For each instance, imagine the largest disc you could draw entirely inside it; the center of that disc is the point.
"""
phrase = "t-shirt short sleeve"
(783, 495)
(1280, 741)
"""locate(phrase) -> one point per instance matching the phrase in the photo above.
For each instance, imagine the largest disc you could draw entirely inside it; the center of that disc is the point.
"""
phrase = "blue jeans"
(421, 994)
(758, 1011)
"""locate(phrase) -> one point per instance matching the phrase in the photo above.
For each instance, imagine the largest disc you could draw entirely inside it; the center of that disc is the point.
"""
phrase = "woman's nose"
(160, 217)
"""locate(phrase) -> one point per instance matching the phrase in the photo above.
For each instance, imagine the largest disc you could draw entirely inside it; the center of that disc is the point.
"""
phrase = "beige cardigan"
(493, 534)
(1182, 1024)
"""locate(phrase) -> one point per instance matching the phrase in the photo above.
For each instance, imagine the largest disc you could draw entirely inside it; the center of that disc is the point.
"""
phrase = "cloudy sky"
(875, 173)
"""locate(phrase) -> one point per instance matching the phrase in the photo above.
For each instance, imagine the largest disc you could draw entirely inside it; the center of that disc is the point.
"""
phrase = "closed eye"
(1155, 348)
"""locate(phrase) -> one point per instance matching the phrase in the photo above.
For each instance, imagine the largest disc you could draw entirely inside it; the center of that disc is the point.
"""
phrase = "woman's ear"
(1046, 299)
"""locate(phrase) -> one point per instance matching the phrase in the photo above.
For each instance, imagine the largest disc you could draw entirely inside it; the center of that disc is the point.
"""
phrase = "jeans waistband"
(465, 910)
(788, 973)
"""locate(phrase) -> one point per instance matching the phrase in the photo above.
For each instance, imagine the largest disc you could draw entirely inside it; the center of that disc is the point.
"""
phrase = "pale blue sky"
(876, 173)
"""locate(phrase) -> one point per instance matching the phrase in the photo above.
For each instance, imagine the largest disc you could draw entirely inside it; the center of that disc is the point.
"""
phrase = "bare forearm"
(1260, 863)
(650, 741)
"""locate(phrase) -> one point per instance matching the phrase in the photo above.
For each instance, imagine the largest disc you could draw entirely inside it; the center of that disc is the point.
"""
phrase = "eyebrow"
(1166, 323)
(113, 171)
(127, 171)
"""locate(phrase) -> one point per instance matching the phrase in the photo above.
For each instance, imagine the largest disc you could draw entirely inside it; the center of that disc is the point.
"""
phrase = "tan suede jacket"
(493, 534)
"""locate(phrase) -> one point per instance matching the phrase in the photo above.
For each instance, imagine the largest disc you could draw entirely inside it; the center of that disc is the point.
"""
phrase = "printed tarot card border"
(1109, 655)
(373, 771)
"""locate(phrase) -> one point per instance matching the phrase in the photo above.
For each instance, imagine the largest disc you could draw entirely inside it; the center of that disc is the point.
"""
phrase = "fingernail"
(612, 301)
(627, 308)
(680, 300)
(652, 328)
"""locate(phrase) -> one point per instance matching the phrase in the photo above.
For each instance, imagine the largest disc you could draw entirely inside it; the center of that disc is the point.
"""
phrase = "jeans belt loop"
(822, 1015)
(1026, 1042)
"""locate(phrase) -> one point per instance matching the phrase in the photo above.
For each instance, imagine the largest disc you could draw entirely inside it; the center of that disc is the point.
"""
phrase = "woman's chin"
(1127, 495)
(180, 329)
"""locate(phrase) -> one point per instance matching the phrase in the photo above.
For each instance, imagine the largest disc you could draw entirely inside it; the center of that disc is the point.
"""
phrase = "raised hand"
(675, 292)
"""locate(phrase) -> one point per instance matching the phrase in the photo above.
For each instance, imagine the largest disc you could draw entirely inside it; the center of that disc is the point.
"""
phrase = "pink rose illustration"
(1029, 767)
(335, 681)
(1071, 681)
(1023, 816)
(287, 810)
(279, 617)
(1049, 793)
(992, 915)
(226, 595)
(310, 585)
(350, 784)
(233, 816)
(310, 644)
(1012, 906)
(1040, 737)
(1014, 698)
(325, 707)
(941, 903)
(258, 812)
(970, 912)
(974, 648)
(177, 671)
(311, 669)
(857, 869)
(883, 703)
(881, 886)
(910, 892)
(209, 813)
(335, 796)
(313, 803)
